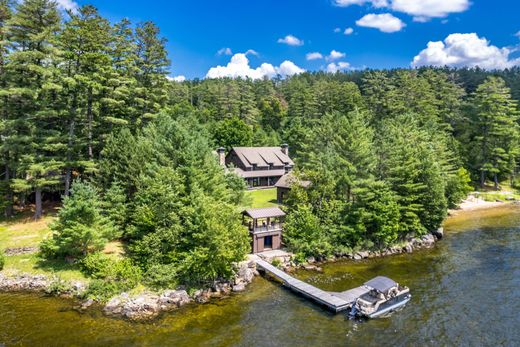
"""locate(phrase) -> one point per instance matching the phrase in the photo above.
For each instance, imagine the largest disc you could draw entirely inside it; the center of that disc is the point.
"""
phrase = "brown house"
(261, 167)
(265, 226)
(284, 184)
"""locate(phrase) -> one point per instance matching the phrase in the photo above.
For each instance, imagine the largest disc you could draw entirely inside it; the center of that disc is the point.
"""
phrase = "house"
(265, 226)
(284, 184)
(261, 167)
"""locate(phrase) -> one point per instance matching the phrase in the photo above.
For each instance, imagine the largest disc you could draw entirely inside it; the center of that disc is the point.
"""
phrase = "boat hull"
(387, 307)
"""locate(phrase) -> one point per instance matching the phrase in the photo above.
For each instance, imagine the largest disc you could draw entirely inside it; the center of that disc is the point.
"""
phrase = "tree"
(80, 228)
(233, 132)
(496, 130)
(31, 69)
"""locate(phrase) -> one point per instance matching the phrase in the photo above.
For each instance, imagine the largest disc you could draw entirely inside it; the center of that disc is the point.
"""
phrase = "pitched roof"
(287, 180)
(269, 212)
(262, 156)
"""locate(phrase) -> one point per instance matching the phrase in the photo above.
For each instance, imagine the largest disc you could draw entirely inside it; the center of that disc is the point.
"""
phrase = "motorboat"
(383, 296)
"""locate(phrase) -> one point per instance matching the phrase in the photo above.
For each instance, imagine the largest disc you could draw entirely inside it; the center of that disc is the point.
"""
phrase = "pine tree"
(497, 130)
(31, 72)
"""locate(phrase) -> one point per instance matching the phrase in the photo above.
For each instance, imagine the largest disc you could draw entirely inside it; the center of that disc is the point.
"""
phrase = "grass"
(507, 192)
(261, 198)
(23, 231)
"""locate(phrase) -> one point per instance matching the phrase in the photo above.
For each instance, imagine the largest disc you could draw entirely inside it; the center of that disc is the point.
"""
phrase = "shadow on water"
(465, 291)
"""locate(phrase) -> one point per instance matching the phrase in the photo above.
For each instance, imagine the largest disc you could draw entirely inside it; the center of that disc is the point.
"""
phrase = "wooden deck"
(335, 302)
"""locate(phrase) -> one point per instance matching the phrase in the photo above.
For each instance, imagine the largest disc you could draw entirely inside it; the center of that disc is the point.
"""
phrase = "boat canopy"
(381, 284)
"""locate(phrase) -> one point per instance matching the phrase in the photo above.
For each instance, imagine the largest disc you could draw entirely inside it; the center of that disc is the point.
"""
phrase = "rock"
(311, 260)
(309, 267)
(114, 306)
(357, 257)
(239, 287)
(245, 272)
(319, 269)
(363, 254)
(204, 296)
(174, 298)
(439, 233)
(143, 307)
(510, 198)
(86, 304)
(408, 248)
(9, 252)
(498, 200)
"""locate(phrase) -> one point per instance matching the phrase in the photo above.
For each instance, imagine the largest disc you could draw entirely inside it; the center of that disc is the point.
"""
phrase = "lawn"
(23, 231)
(261, 198)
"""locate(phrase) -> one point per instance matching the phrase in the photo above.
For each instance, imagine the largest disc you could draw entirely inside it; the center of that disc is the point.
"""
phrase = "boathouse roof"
(269, 212)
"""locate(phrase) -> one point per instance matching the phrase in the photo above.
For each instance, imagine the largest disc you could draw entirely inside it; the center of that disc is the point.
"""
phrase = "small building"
(284, 184)
(265, 226)
(261, 167)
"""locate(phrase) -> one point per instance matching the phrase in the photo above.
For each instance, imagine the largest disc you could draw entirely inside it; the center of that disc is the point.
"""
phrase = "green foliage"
(80, 228)
(161, 276)
(110, 277)
(233, 132)
(458, 187)
(58, 286)
(115, 207)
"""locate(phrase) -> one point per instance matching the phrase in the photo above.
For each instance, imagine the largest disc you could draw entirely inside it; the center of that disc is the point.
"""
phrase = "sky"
(211, 39)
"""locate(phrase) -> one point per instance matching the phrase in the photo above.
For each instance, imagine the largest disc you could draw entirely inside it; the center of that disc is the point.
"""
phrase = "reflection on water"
(466, 291)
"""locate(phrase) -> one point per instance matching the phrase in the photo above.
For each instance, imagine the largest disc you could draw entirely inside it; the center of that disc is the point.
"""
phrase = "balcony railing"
(266, 228)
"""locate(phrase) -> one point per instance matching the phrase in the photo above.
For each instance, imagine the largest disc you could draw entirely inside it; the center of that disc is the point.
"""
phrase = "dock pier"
(334, 301)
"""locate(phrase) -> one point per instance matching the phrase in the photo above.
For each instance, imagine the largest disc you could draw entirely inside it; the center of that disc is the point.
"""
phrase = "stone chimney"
(285, 149)
(221, 156)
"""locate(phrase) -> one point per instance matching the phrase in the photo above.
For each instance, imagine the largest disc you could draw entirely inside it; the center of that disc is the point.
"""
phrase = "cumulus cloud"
(337, 30)
(348, 31)
(239, 67)
(430, 8)
(314, 56)
(291, 41)
(225, 51)
(385, 22)
(67, 5)
(335, 55)
(252, 52)
(518, 34)
(459, 50)
(422, 10)
(335, 67)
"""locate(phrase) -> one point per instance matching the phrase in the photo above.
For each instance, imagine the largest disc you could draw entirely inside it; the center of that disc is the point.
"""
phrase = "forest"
(91, 120)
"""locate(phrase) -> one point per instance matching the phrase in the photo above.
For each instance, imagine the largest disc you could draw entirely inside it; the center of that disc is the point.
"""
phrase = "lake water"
(466, 292)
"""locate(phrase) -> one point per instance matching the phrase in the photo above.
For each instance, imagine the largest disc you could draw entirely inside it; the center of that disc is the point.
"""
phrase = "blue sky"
(385, 33)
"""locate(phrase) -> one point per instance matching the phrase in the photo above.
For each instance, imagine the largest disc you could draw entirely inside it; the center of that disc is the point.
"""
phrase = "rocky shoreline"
(148, 305)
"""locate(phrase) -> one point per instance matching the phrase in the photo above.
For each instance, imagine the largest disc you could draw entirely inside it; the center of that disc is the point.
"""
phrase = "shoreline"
(148, 305)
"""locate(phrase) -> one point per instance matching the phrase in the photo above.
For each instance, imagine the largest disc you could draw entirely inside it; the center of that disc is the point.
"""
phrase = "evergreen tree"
(496, 130)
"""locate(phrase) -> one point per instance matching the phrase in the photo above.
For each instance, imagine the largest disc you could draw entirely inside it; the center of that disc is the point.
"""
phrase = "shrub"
(101, 290)
(58, 286)
(276, 262)
(161, 276)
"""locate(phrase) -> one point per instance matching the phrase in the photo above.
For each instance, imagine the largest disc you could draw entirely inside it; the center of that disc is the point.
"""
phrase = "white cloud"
(67, 5)
(239, 67)
(518, 34)
(430, 8)
(314, 56)
(348, 31)
(421, 10)
(252, 52)
(291, 41)
(335, 67)
(375, 3)
(225, 51)
(180, 78)
(335, 55)
(470, 50)
(385, 22)
(337, 30)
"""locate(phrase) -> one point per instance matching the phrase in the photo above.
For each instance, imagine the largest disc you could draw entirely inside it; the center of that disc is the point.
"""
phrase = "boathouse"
(260, 167)
(265, 226)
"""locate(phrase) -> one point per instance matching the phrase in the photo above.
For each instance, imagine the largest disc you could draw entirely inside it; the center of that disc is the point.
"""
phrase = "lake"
(466, 291)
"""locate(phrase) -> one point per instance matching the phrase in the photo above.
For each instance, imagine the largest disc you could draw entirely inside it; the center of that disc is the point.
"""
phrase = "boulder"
(408, 248)
(363, 254)
(143, 307)
(357, 257)
(239, 287)
(311, 260)
(439, 233)
(309, 267)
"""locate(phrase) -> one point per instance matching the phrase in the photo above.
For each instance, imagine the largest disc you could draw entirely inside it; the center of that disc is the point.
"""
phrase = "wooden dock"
(335, 302)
